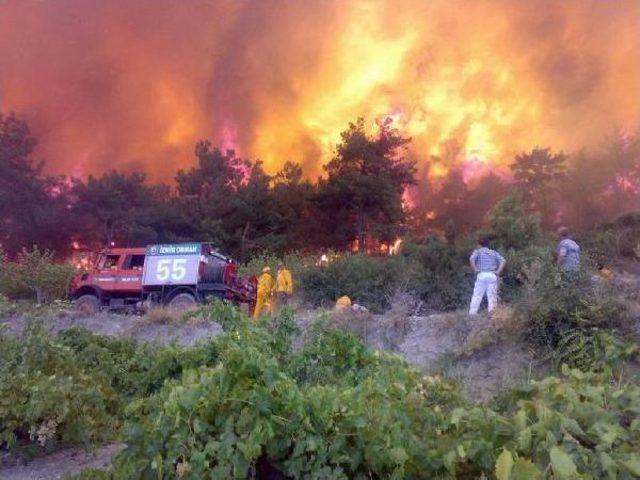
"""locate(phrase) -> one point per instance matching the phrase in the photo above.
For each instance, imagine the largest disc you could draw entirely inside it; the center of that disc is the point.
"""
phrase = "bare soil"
(54, 466)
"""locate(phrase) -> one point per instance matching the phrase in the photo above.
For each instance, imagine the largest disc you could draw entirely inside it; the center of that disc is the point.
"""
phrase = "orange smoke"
(134, 84)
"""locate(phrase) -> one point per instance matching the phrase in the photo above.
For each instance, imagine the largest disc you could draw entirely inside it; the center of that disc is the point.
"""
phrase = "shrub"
(133, 370)
(566, 317)
(438, 273)
(46, 396)
(336, 409)
(332, 418)
(510, 226)
(369, 281)
(35, 275)
(614, 240)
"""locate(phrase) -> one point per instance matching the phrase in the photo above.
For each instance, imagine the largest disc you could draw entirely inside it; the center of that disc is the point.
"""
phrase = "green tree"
(228, 200)
(33, 206)
(293, 202)
(511, 226)
(362, 194)
(116, 208)
(538, 174)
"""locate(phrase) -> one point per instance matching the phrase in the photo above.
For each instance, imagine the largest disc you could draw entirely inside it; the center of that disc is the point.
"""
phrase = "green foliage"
(35, 274)
(614, 240)
(133, 370)
(510, 226)
(369, 281)
(246, 402)
(334, 418)
(437, 273)
(538, 175)
(7, 307)
(565, 317)
(580, 425)
(46, 396)
(361, 197)
(90, 474)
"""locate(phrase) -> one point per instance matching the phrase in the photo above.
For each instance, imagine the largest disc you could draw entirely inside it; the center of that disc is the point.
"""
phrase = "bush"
(35, 275)
(47, 397)
(566, 317)
(369, 281)
(511, 227)
(438, 273)
(336, 409)
(614, 240)
(331, 410)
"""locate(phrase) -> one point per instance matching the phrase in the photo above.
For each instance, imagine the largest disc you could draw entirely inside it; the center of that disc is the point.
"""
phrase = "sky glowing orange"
(134, 84)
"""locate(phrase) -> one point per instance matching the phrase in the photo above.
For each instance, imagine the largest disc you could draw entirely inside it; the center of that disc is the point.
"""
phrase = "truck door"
(107, 275)
(130, 275)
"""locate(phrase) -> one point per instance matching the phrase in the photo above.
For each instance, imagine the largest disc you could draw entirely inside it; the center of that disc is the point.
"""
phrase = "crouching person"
(488, 265)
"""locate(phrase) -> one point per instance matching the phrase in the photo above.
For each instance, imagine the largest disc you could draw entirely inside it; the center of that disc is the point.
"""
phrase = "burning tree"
(361, 197)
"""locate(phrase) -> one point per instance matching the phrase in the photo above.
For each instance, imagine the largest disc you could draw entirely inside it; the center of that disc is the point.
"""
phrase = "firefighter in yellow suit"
(284, 285)
(265, 290)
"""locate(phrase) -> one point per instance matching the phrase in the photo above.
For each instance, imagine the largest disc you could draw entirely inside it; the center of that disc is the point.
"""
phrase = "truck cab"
(114, 280)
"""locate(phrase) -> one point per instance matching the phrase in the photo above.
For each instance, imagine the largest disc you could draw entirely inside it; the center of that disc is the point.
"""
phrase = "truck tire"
(89, 304)
(182, 301)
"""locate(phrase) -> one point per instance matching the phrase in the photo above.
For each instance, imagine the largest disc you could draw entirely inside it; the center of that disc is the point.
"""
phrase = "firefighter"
(343, 303)
(264, 293)
(488, 265)
(284, 285)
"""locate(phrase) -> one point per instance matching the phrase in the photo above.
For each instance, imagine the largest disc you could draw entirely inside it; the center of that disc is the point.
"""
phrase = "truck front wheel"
(182, 301)
(89, 304)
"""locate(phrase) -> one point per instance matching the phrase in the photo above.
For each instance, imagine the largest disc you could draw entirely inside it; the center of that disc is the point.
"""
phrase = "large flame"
(134, 84)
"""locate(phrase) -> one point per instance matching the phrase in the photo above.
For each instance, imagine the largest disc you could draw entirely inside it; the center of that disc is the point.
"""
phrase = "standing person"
(264, 293)
(487, 264)
(284, 285)
(568, 252)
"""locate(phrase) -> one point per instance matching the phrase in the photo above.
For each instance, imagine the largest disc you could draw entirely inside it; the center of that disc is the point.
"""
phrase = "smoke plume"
(133, 84)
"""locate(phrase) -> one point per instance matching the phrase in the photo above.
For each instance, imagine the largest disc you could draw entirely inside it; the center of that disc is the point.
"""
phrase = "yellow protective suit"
(284, 282)
(343, 303)
(263, 295)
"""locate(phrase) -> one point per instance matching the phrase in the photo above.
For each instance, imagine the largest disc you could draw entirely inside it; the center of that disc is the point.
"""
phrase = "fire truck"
(177, 275)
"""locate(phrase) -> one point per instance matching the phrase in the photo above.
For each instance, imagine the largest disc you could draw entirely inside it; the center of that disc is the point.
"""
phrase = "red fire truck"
(177, 275)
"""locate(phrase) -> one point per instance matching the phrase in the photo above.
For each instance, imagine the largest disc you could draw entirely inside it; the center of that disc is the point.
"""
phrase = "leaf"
(608, 464)
(457, 415)
(399, 455)
(504, 465)
(563, 466)
(524, 440)
(524, 469)
(461, 451)
(520, 419)
(633, 465)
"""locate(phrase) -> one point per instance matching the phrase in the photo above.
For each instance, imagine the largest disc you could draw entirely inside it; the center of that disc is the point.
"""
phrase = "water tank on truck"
(185, 274)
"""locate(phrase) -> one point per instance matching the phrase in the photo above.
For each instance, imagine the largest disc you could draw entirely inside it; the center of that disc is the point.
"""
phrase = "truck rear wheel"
(89, 304)
(182, 301)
